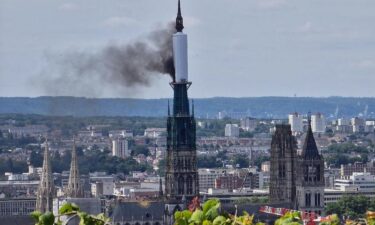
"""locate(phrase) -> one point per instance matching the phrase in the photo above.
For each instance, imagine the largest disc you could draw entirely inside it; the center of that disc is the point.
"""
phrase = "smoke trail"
(115, 66)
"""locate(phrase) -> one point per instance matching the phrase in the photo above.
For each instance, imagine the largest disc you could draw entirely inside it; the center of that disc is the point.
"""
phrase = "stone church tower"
(283, 166)
(310, 181)
(181, 177)
(46, 189)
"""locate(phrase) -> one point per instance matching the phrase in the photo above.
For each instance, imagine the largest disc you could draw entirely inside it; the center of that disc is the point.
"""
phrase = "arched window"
(189, 185)
(317, 199)
(282, 150)
(181, 185)
(318, 173)
(306, 173)
(308, 199)
(282, 171)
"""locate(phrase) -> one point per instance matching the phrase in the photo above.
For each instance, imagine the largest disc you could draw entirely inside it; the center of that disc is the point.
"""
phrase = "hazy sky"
(236, 47)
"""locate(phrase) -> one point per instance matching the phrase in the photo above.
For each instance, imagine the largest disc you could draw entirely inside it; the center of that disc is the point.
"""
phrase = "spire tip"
(179, 19)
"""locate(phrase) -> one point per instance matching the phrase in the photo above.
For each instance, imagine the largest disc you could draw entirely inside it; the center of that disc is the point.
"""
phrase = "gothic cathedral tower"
(310, 183)
(283, 166)
(181, 178)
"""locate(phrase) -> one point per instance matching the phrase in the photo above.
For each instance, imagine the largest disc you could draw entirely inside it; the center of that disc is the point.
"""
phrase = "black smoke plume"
(121, 65)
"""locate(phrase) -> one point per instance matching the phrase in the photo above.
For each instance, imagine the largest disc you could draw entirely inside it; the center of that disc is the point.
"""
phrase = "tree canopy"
(351, 206)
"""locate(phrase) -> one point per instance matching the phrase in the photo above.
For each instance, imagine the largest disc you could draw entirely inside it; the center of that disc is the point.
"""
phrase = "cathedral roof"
(128, 211)
(310, 150)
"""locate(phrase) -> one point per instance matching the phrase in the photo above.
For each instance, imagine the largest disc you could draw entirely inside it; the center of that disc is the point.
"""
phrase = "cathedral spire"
(74, 189)
(179, 19)
(46, 189)
(181, 175)
(310, 150)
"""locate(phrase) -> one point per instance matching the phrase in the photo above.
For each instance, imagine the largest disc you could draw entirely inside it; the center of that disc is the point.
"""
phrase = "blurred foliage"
(69, 211)
(14, 166)
(140, 149)
(291, 218)
(252, 200)
(341, 159)
(9, 141)
(347, 148)
(341, 154)
(330, 220)
(370, 216)
(209, 162)
(257, 161)
(352, 207)
(209, 214)
(246, 134)
(241, 161)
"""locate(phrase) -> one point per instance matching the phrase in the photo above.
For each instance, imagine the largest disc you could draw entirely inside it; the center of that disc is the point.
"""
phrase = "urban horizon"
(174, 159)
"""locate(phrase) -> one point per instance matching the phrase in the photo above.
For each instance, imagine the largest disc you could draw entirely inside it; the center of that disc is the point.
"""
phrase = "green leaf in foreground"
(47, 219)
(209, 204)
(68, 208)
(35, 215)
(220, 220)
(197, 217)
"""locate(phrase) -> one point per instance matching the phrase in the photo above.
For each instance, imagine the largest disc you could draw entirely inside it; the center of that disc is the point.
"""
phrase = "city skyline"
(68, 159)
(252, 48)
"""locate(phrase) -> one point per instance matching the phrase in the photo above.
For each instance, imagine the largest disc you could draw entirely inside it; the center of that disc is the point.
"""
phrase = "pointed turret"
(310, 150)
(46, 190)
(74, 189)
(179, 19)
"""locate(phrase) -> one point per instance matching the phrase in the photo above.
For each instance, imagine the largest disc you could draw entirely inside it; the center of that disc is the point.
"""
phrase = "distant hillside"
(260, 107)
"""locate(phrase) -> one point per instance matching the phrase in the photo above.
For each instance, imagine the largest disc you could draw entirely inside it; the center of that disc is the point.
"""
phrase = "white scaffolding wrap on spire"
(180, 56)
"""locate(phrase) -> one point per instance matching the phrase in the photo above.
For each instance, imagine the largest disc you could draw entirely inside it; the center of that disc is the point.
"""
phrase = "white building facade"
(120, 148)
(318, 123)
(358, 124)
(232, 130)
(296, 122)
(154, 132)
(248, 124)
(362, 182)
